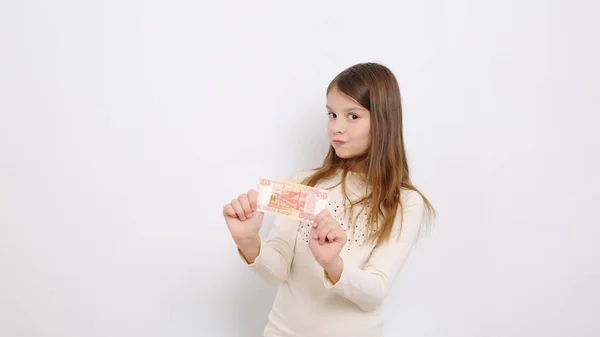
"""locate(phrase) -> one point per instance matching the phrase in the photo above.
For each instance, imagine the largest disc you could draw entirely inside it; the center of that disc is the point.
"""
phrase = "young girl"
(335, 273)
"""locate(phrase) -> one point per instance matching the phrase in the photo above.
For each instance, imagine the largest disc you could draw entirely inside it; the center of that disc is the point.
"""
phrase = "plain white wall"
(126, 125)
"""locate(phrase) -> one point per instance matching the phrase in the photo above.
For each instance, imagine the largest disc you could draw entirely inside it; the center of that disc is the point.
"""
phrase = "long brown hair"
(384, 167)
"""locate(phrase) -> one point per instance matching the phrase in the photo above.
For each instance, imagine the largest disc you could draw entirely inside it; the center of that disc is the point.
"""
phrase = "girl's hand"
(242, 219)
(327, 239)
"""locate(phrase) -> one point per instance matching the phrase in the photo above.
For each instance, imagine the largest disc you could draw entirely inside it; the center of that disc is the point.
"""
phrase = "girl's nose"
(339, 126)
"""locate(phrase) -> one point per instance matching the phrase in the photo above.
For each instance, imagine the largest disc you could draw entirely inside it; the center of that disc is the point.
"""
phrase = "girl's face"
(349, 126)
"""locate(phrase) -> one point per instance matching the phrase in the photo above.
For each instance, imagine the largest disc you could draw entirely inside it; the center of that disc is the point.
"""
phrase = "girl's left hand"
(327, 239)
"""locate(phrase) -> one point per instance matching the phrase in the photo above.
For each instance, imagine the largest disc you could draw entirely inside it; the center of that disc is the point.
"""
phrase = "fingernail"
(249, 215)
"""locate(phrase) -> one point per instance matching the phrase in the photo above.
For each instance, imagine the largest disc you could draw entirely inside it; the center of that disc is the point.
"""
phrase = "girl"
(335, 273)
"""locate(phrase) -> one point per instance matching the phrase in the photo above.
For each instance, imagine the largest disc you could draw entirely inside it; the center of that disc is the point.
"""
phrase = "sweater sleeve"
(368, 286)
(276, 251)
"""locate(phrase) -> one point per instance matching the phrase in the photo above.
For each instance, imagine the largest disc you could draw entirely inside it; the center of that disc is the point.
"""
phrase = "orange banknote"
(296, 201)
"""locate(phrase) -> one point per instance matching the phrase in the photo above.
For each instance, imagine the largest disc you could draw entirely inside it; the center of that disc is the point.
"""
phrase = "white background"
(126, 125)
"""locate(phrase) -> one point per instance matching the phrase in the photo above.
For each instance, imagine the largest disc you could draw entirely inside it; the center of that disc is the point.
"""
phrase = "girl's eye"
(331, 115)
(353, 116)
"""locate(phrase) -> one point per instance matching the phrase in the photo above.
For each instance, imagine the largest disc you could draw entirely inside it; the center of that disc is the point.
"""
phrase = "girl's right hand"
(241, 217)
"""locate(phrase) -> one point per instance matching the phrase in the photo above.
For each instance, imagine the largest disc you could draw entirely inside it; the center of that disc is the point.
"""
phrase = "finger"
(243, 198)
(322, 215)
(235, 203)
(331, 236)
(315, 223)
(315, 231)
(323, 232)
(253, 198)
(317, 226)
(229, 211)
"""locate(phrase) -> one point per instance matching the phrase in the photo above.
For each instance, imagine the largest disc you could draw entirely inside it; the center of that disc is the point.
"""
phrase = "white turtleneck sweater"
(307, 303)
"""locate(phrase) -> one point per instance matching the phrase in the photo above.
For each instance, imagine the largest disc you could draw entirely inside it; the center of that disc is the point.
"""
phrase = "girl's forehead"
(337, 100)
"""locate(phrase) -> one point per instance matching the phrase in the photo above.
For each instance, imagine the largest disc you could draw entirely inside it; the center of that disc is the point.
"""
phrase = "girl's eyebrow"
(349, 109)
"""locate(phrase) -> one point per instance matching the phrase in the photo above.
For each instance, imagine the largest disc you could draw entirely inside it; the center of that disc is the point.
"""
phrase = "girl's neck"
(356, 165)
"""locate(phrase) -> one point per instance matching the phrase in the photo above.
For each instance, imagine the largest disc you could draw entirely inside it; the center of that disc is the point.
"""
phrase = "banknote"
(292, 200)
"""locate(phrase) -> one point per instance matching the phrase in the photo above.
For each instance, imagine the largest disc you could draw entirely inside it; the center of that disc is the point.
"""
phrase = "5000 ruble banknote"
(291, 200)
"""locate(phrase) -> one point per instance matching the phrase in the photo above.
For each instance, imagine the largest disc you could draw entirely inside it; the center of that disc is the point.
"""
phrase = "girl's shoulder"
(411, 198)
(326, 183)
(300, 176)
